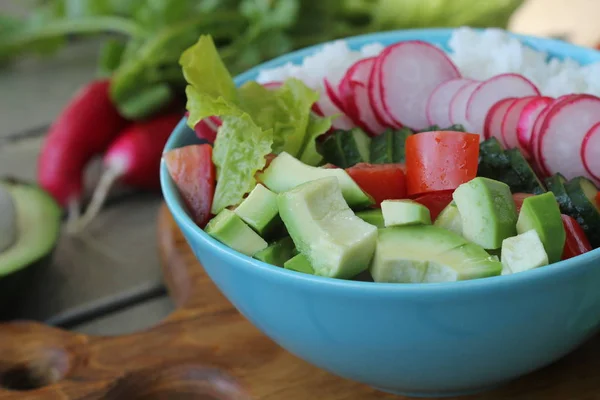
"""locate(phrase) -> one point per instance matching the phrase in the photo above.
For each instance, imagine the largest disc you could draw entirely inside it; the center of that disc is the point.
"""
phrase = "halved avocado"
(30, 229)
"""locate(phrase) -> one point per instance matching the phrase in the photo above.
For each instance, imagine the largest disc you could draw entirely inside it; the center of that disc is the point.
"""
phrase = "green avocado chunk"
(286, 172)
(33, 229)
(373, 217)
(542, 214)
(450, 219)
(278, 253)
(523, 252)
(426, 253)
(228, 228)
(259, 210)
(487, 211)
(336, 242)
(299, 263)
(404, 212)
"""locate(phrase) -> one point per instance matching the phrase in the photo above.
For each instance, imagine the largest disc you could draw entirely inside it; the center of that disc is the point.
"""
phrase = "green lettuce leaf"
(286, 110)
(204, 70)
(239, 152)
(316, 127)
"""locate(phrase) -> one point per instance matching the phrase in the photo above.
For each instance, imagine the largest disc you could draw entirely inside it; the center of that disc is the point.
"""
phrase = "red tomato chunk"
(440, 160)
(380, 181)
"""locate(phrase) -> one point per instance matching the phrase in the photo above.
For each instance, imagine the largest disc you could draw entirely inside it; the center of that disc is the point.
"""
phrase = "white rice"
(477, 54)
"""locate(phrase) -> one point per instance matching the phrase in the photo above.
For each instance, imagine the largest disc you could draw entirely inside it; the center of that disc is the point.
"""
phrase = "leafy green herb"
(152, 34)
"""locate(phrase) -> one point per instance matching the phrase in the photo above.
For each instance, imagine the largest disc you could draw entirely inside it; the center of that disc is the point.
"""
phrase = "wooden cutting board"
(206, 350)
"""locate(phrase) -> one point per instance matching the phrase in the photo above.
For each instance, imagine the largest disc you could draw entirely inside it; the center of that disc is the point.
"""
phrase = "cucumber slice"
(495, 163)
(556, 185)
(346, 148)
(388, 148)
(530, 183)
(582, 193)
(453, 128)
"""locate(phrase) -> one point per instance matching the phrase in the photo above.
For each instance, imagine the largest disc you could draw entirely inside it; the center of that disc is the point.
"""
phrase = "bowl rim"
(558, 270)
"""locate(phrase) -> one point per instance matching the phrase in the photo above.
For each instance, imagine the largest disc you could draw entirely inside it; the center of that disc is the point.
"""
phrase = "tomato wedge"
(380, 181)
(577, 243)
(519, 198)
(435, 201)
(440, 160)
(598, 199)
(192, 170)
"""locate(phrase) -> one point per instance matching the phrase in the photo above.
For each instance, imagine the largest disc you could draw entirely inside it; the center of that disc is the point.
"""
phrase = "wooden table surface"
(110, 281)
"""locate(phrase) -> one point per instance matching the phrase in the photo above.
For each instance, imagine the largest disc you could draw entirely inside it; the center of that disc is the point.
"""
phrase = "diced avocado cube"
(336, 242)
(450, 219)
(542, 213)
(373, 217)
(259, 210)
(230, 230)
(286, 172)
(523, 252)
(404, 212)
(278, 253)
(299, 263)
(487, 211)
(426, 253)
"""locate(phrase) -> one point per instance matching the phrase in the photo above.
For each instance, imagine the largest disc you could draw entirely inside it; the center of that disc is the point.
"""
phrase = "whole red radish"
(134, 159)
(84, 129)
(193, 171)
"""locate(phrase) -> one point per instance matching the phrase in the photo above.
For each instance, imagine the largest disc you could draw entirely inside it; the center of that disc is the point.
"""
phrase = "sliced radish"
(494, 118)
(535, 135)
(458, 105)
(345, 94)
(511, 120)
(493, 90)
(326, 108)
(374, 88)
(438, 103)
(206, 130)
(562, 134)
(527, 120)
(590, 152)
(408, 73)
(333, 94)
(272, 85)
(355, 83)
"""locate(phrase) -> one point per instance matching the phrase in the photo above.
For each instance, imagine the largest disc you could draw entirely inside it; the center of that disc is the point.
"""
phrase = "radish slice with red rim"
(511, 120)
(408, 72)
(438, 103)
(458, 105)
(374, 88)
(325, 107)
(535, 136)
(527, 121)
(365, 112)
(206, 130)
(494, 118)
(493, 90)
(590, 152)
(562, 134)
(272, 85)
(333, 94)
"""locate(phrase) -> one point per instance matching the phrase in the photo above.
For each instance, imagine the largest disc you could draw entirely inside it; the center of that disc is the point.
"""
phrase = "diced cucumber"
(388, 148)
(582, 193)
(346, 148)
(452, 128)
(556, 185)
(530, 183)
(450, 219)
(404, 212)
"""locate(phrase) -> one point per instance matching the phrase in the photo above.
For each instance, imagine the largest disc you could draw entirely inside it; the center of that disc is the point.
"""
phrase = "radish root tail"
(109, 177)
(72, 216)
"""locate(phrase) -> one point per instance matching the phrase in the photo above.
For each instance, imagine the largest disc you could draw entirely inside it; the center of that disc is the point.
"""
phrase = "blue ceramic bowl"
(418, 339)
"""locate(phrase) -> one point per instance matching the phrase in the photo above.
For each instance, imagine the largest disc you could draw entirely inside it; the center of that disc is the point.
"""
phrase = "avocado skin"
(14, 286)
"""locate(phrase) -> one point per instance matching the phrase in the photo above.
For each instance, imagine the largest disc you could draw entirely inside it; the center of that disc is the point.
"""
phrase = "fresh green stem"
(77, 26)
